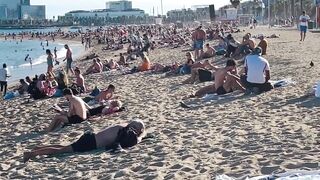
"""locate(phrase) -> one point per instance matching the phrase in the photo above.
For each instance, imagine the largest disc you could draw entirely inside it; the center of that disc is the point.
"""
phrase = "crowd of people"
(252, 77)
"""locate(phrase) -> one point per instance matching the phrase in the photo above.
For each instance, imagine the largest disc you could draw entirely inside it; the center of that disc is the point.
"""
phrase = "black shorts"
(222, 91)
(87, 142)
(96, 111)
(75, 119)
(205, 75)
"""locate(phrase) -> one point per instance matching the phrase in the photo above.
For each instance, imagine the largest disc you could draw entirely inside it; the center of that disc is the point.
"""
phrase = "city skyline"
(58, 9)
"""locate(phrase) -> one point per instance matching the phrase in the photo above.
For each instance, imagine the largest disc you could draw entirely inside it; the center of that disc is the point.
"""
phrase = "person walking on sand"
(118, 136)
(77, 112)
(198, 37)
(69, 59)
(49, 61)
(4, 74)
(303, 19)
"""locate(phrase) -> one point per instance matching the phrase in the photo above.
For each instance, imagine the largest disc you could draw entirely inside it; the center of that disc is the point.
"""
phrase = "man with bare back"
(77, 112)
(225, 81)
(94, 68)
(123, 135)
(198, 38)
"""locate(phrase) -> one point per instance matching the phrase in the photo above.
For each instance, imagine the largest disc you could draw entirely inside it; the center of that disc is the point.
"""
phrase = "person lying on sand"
(114, 107)
(210, 52)
(102, 96)
(94, 68)
(123, 135)
(225, 81)
(198, 73)
(77, 112)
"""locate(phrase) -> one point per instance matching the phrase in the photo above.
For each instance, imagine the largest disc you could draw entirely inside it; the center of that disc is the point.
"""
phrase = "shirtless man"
(126, 135)
(211, 52)
(80, 80)
(225, 81)
(69, 59)
(77, 112)
(94, 68)
(247, 45)
(198, 38)
(112, 64)
(100, 63)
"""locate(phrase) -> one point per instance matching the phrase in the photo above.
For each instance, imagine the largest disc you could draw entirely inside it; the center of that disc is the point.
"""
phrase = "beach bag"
(204, 75)
(75, 89)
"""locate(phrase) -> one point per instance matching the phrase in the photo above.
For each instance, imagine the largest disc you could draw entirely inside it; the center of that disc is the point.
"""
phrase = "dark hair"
(4, 65)
(21, 80)
(231, 62)
(77, 70)
(48, 52)
(67, 91)
(111, 87)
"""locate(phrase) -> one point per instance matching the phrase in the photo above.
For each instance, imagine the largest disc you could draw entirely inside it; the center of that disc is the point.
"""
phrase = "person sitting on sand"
(247, 45)
(233, 44)
(112, 64)
(146, 65)
(126, 135)
(186, 68)
(210, 52)
(80, 80)
(104, 95)
(77, 112)
(257, 73)
(94, 68)
(23, 87)
(100, 64)
(225, 81)
(263, 44)
(122, 60)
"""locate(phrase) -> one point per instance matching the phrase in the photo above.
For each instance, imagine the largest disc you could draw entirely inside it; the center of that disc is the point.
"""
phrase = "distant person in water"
(121, 135)
(69, 59)
(56, 56)
(26, 58)
(30, 61)
(49, 61)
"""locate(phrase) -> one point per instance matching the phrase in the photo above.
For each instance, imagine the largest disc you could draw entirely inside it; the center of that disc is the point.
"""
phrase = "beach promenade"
(236, 135)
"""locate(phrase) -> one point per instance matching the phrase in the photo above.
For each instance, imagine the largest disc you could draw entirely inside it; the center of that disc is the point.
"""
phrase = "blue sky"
(59, 7)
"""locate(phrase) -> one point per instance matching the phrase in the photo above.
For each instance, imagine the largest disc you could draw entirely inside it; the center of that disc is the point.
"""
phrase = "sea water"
(14, 52)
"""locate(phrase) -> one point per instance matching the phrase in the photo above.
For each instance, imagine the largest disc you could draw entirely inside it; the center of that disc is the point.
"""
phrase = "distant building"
(200, 13)
(19, 9)
(105, 13)
(33, 12)
(113, 9)
(121, 5)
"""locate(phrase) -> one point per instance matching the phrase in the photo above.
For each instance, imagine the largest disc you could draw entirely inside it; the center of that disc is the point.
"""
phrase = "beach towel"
(282, 83)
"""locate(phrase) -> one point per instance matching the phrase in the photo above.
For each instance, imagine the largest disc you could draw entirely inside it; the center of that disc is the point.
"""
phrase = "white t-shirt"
(304, 20)
(3, 74)
(256, 67)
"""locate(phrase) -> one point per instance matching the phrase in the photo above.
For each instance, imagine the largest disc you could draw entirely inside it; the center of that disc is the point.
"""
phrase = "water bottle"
(317, 94)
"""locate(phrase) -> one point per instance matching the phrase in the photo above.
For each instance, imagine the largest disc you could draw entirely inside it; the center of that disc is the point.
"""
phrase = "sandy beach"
(235, 135)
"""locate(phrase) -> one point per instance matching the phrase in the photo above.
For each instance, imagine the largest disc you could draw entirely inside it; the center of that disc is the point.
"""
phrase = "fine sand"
(237, 135)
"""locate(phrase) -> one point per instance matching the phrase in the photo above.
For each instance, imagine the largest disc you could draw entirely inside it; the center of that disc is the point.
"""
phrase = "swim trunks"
(303, 29)
(69, 63)
(198, 44)
(87, 142)
(75, 119)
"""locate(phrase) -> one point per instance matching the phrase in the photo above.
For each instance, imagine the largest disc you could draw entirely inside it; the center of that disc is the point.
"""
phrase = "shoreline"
(78, 56)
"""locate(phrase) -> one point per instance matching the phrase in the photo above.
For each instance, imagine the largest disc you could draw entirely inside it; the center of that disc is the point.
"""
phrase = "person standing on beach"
(304, 19)
(49, 61)
(69, 59)
(56, 56)
(4, 74)
(198, 37)
(30, 61)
